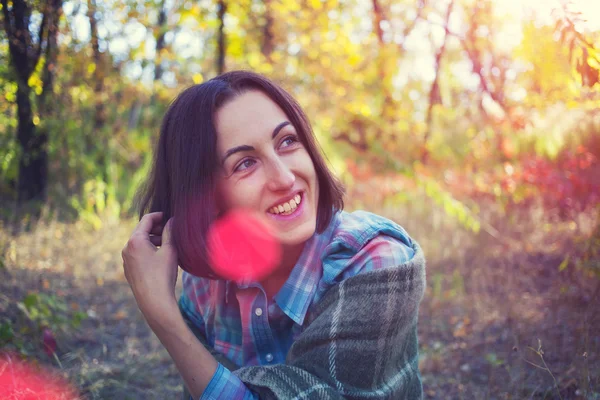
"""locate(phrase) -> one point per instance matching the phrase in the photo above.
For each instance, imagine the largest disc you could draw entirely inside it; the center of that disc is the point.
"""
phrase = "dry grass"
(113, 355)
(499, 320)
(492, 298)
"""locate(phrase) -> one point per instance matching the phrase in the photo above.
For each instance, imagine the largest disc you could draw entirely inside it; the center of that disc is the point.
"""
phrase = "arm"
(151, 272)
(193, 360)
(325, 362)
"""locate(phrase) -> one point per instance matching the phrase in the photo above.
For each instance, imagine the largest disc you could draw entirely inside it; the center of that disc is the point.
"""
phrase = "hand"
(151, 271)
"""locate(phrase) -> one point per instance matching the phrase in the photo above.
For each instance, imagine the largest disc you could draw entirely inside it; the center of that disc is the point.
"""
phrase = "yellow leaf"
(119, 315)
(316, 4)
(198, 78)
(564, 264)
(353, 60)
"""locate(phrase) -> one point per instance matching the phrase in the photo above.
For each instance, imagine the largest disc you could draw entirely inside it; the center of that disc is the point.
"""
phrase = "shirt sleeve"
(382, 251)
(225, 385)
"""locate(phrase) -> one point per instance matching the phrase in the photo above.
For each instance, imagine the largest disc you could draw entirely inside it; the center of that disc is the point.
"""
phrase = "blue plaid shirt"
(240, 322)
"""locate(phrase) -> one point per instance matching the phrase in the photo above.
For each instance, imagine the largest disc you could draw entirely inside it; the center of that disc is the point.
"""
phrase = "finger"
(166, 233)
(157, 228)
(147, 222)
(156, 240)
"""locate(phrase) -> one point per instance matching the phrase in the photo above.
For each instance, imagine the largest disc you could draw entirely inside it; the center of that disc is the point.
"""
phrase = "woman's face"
(265, 167)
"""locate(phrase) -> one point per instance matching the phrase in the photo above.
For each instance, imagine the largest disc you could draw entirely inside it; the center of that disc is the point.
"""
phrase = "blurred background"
(475, 124)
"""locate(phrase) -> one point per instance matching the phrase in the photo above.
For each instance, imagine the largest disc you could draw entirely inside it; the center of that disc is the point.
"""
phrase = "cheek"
(244, 193)
(304, 163)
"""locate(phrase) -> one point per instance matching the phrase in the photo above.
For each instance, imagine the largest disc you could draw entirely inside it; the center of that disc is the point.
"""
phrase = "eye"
(244, 165)
(288, 141)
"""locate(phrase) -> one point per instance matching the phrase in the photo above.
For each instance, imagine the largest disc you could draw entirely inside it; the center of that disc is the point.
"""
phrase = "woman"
(336, 319)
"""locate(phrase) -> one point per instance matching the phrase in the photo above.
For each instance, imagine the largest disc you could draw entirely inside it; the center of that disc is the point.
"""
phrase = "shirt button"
(258, 312)
(269, 357)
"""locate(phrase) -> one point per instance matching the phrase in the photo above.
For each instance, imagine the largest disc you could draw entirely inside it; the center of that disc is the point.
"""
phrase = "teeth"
(288, 207)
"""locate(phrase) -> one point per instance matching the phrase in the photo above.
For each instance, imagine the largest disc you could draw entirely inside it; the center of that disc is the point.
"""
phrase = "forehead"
(247, 118)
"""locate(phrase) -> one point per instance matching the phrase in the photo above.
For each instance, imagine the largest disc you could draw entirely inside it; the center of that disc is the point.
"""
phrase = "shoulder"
(362, 242)
(194, 296)
(194, 286)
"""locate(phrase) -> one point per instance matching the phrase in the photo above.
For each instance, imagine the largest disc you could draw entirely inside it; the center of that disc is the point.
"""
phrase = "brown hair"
(182, 181)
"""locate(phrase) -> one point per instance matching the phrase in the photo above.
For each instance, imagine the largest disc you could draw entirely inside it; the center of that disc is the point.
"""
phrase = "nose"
(279, 175)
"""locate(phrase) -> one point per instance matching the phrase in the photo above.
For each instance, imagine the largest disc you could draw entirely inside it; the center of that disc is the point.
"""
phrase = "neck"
(290, 257)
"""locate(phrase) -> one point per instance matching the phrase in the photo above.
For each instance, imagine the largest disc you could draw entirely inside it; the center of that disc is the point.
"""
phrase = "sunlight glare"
(542, 10)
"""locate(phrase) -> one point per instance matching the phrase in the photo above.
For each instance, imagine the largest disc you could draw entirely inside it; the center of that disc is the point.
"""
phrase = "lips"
(286, 207)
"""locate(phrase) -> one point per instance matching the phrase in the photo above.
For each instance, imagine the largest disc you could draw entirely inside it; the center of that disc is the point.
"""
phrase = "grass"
(492, 299)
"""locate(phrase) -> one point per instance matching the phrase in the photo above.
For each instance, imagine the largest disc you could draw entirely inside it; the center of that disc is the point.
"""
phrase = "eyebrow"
(245, 147)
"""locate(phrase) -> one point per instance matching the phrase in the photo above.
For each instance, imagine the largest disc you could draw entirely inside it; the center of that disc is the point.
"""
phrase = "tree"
(222, 10)
(26, 49)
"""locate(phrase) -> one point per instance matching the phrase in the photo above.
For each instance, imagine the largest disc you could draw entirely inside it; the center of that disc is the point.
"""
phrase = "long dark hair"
(182, 181)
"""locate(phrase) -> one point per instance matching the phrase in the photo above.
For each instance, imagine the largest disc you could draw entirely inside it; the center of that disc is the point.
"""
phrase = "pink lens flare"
(20, 380)
(242, 246)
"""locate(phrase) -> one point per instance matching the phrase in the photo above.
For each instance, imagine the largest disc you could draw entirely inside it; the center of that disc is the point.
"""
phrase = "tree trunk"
(46, 105)
(377, 19)
(434, 92)
(100, 113)
(33, 165)
(96, 142)
(222, 9)
(24, 56)
(160, 41)
(268, 39)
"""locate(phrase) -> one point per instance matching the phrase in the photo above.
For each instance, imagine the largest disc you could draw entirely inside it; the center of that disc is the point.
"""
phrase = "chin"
(299, 235)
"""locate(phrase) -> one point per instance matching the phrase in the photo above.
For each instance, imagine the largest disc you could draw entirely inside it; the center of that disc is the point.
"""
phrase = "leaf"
(6, 332)
(77, 318)
(31, 300)
(493, 359)
(49, 342)
(564, 264)
(119, 315)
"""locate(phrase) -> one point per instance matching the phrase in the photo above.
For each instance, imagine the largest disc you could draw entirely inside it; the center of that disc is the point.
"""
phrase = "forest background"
(473, 123)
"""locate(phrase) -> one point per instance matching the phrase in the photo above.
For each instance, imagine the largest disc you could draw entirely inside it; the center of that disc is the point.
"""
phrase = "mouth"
(288, 207)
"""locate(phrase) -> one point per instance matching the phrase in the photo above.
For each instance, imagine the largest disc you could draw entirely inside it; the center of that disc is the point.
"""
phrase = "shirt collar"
(296, 294)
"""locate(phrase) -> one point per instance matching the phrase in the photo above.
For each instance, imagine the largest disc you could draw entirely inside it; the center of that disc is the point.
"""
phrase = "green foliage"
(364, 76)
(588, 259)
(494, 360)
(39, 311)
(452, 206)
(6, 333)
(46, 310)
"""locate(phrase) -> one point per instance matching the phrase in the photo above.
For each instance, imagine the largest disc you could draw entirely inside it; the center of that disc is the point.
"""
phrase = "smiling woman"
(308, 329)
